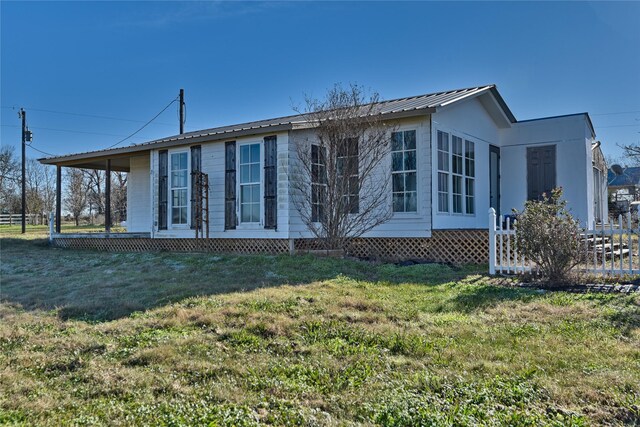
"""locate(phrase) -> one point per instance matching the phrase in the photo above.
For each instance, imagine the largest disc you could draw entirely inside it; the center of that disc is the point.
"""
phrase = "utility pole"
(23, 116)
(26, 137)
(181, 111)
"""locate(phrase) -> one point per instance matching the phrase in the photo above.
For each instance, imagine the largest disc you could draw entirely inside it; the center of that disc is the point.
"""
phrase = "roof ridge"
(308, 113)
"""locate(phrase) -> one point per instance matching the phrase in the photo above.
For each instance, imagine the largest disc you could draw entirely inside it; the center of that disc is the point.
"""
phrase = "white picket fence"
(612, 249)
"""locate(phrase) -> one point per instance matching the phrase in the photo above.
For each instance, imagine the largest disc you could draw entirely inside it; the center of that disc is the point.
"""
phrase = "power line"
(144, 125)
(616, 126)
(617, 112)
(40, 151)
(95, 116)
(66, 130)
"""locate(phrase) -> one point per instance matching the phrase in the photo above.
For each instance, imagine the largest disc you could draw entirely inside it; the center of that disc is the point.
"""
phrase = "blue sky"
(245, 61)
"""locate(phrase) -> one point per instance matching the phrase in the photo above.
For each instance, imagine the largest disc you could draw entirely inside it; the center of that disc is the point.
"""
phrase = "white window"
(456, 184)
(469, 180)
(348, 172)
(249, 165)
(443, 172)
(403, 171)
(179, 188)
(318, 182)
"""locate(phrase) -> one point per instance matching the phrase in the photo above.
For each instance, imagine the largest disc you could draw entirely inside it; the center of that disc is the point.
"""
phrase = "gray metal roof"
(410, 106)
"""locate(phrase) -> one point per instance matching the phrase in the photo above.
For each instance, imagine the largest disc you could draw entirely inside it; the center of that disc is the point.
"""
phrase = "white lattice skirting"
(454, 246)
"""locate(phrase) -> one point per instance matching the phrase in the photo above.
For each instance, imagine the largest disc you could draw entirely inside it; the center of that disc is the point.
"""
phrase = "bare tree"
(340, 178)
(40, 184)
(9, 180)
(119, 196)
(96, 181)
(632, 152)
(76, 197)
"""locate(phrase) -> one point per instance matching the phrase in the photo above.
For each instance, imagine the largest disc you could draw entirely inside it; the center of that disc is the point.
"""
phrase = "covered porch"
(109, 161)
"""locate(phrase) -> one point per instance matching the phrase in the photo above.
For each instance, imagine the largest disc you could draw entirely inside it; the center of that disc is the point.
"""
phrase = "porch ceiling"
(118, 163)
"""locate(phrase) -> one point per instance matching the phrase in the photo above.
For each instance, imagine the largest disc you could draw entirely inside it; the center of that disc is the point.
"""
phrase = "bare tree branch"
(632, 152)
(340, 177)
(76, 198)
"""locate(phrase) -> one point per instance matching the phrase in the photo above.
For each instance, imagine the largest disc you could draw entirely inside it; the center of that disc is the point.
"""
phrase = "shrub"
(548, 235)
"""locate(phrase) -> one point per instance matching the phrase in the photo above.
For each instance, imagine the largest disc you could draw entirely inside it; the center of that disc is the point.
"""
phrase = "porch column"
(107, 198)
(58, 197)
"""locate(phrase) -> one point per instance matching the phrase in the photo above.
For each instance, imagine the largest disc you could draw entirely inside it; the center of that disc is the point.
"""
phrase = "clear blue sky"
(244, 61)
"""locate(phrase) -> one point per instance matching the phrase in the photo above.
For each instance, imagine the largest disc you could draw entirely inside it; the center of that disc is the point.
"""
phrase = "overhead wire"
(65, 130)
(40, 151)
(94, 133)
(145, 125)
(95, 116)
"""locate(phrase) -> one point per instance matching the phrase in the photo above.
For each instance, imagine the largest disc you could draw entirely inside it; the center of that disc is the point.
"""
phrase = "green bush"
(548, 235)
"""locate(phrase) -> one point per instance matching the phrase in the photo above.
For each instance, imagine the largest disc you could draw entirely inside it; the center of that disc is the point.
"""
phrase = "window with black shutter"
(348, 172)
(196, 166)
(230, 186)
(163, 166)
(270, 183)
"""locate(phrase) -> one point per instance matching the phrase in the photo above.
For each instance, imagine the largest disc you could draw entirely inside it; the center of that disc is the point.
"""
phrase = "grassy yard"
(42, 231)
(91, 338)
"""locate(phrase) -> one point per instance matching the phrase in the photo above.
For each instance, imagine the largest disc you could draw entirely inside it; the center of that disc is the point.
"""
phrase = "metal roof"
(630, 176)
(402, 107)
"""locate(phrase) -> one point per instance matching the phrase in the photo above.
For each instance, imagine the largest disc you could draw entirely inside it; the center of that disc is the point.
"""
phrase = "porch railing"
(612, 249)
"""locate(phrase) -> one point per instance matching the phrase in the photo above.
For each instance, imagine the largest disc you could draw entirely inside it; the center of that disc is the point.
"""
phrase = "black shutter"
(196, 164)
(541, 171)
(163, 167)
(270, 182)
(230, 185)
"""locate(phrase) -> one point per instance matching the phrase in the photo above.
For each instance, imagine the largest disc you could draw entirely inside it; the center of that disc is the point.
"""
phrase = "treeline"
(83, 190)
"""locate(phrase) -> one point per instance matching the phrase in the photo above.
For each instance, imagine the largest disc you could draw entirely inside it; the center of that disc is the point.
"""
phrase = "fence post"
(51, 221)
(492, 241)
(630, 241)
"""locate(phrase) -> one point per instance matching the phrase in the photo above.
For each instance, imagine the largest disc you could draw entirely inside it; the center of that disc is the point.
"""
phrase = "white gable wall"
(469, 120)
(574, 174)
(138, 196)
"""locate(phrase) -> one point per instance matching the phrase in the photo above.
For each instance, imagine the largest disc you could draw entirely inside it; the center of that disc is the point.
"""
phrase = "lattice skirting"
(237, 246)
(455, 246)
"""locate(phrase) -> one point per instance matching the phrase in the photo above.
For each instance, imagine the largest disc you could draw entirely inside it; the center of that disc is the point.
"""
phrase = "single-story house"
(470, 151)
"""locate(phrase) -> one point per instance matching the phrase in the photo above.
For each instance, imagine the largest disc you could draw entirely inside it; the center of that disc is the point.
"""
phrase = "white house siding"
(138, 197)
(401, 224)
(469, 120)
(574, 173)
(213, 164)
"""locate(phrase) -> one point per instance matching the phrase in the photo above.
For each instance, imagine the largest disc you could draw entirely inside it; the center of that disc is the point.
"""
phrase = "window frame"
(416, 171)
(345, 158)
(463, 175)
(242, 224)
(320, 181)
(170, 188)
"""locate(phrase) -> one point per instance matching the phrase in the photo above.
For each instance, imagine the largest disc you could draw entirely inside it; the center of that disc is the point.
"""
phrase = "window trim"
(436, 192)
(322, 168)
(260, 223)
(170, 224)
(417, 171)
(348, 155)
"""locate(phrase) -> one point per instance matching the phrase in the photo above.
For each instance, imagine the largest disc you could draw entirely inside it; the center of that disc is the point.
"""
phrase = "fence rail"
(612, 249)
(16, 219)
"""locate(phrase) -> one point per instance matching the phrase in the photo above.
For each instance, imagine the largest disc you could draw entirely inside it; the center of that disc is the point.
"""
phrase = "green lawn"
(90, 338)
(42, 231)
